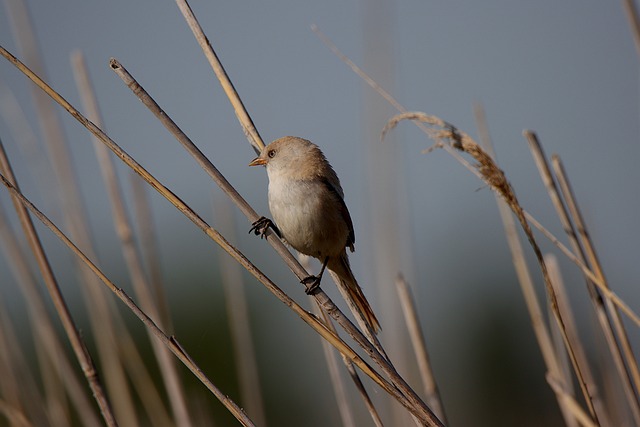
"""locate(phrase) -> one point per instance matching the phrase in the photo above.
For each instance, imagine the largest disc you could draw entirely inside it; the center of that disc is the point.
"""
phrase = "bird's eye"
(271, 153)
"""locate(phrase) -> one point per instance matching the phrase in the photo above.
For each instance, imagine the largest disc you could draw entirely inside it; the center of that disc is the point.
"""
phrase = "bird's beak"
(258, 162)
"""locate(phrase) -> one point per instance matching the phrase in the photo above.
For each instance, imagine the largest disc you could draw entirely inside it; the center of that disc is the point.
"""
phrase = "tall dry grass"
(53, 392)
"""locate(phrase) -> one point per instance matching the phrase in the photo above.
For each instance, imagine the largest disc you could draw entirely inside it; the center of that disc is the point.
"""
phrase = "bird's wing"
(351, 239)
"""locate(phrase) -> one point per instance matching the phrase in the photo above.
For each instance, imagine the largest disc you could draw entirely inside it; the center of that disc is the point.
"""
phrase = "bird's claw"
(312, 283)
(260, 227)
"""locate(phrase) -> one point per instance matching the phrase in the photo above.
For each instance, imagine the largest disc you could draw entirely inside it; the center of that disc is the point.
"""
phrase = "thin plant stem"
(400, 389)
(449, 135)
(569, 402)
(238, 107)
(250, 130)
(116, 380)
(256, 141)
(46, 339)
(295, 266)
(543, 335)
(631, 380)
(342, 400)
(101, 314)
(79, 348)
(18, 387)
(170, 342)
(561, 355)
(535, 223)
(132, 259)
(254, 138)
(239, 323)
(432, 393)
(596, 299)
(149, 244)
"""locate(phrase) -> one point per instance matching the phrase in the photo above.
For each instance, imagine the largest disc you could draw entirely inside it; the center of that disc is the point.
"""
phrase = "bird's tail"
(340, 267)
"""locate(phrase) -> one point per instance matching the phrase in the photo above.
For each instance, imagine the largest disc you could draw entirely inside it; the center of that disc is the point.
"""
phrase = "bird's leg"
(259, 228)
(313, 282)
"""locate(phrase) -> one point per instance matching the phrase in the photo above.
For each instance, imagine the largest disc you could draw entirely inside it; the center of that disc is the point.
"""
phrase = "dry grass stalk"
(257, 143)
(365, 77)
(46, 340)
(598, 303)
(448, 134)
(400, 389)
(18, 387)
(143, 217)
(569, 402)
(77, 343)
(239, 323)
(407, 395)
(168, 341)
(407, 302)
(133, 261)
(550, 352)
(564, 378)
(336, 380)
(238, 107)
(101, 313)
(252, 133)
(594, 262)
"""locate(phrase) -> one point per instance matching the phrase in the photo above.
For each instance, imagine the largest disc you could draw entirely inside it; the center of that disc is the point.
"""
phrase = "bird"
(307, 205)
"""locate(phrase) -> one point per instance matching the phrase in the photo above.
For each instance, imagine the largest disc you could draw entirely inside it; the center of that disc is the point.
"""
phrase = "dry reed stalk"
(630, 378)
(253, 136)
(432, 393)
(77, 343)
(564, 380)
(46, 340)
(141, 380)
(170, 342)
(346, 413)
(101, 312)
(248, 127)
(17, 386)
(132, 259)
(550, 353)
(569, 402)
(241, 113)
(47, 345)
(588, 273)
(594, 262)
(399, 389)
(448, 134)
(366, 78)
(256, 141)
(336, 379)
(143, 217)
(239, 323)
(33, 153)
(116, 380)
(341, 398)
(405, 392)
(617, 352)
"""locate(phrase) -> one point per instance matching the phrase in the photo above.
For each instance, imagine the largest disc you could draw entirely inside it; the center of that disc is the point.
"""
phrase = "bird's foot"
(260, 227)
(312, 283)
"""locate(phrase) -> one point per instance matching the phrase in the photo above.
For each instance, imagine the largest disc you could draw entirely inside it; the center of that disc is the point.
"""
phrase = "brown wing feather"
(351, 239)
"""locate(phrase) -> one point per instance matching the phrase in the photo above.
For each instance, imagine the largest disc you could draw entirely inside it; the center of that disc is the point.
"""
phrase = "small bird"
(307, 204)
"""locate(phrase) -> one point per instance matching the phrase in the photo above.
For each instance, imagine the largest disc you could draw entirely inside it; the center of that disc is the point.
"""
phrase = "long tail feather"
(340, 266)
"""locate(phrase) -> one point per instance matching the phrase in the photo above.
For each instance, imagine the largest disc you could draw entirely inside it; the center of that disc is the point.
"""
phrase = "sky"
(568, 71)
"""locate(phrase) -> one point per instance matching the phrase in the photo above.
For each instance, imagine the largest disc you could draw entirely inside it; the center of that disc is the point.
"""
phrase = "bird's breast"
(308, 216)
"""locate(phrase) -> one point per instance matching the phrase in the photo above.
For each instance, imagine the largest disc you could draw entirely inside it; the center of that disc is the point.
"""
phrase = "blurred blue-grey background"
(567, 70)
